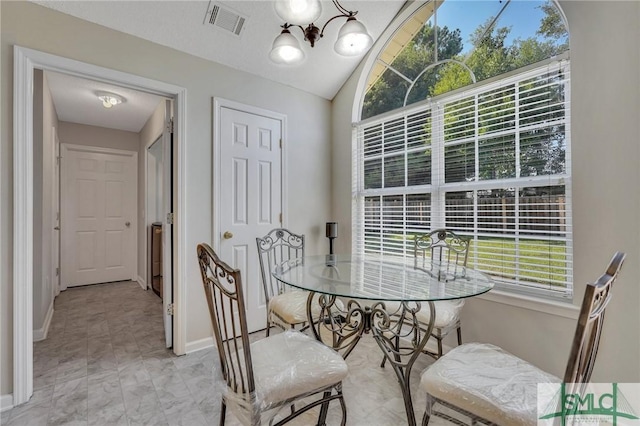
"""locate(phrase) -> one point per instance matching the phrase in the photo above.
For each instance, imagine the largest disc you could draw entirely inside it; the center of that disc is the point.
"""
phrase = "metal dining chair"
(271, 373)
(286, 308)
(441, 253)
(487, 384)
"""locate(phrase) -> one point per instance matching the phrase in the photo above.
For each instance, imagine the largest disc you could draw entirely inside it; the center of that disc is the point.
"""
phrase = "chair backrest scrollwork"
(278, 246)
(441, 247)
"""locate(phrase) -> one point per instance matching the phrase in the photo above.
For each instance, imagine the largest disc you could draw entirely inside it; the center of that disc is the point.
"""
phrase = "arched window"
(465, 125)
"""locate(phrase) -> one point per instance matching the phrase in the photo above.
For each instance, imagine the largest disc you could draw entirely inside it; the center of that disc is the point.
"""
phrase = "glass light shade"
(109, 100)
(353, 38)
(298, 12)
(286, 49)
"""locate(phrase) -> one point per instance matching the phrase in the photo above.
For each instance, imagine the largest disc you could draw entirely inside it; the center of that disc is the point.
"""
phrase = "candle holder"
(332, 234)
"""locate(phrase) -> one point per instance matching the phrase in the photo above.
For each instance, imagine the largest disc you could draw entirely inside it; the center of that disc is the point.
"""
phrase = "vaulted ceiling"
(185, 26)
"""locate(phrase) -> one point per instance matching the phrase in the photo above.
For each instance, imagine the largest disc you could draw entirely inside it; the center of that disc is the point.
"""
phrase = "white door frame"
(133, 156)
(24, 62)
(218, 104)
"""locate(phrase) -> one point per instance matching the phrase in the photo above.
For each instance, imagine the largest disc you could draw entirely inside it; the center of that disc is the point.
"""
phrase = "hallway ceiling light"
(110, 99)
(353, 38)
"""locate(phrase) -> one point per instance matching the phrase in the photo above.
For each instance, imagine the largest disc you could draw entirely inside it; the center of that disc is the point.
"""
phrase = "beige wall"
(45, 119)
(50, 122)
(38, 145)
(82, 134)
(308, 146)
(150, 132)
(605, 114)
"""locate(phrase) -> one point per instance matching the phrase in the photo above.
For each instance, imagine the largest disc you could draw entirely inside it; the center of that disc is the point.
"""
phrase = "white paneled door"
(98, 215)
(250, 197)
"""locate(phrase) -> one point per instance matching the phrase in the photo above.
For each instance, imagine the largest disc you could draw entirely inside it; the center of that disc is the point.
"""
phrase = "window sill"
(565, 310)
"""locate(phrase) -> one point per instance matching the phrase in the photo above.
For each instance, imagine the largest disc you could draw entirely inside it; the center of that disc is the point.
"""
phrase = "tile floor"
(104, 363)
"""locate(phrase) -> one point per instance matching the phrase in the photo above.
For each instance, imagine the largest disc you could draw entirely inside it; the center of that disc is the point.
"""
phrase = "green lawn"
(541, 262)
(498, 256)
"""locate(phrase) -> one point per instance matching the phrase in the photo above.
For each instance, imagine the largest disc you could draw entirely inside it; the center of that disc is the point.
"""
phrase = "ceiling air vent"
(223, 17)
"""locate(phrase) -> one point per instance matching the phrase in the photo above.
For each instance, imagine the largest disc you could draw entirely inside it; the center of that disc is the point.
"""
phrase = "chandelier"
(353, 38)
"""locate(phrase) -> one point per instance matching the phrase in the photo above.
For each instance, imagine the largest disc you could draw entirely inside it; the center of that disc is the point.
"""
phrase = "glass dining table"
(350, 296)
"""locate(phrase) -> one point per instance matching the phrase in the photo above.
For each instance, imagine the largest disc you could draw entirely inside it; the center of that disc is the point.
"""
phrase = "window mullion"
(437, 169)
(381, 216)
(517, 214)
(406, 182)
(517, 128)
(382, 152)
(476, 166)
(517, 190)
(476, 139)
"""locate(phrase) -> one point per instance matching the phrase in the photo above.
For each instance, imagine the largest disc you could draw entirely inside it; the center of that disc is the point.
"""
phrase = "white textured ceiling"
(76, 101)
(180, 25)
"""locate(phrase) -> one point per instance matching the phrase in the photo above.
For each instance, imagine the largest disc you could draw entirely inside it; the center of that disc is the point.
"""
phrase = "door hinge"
(280, 143)
(280, 218)
(57, 272)
(170, 126)
(169, 218)
(57, 216)
(171, 310)
(58, 159)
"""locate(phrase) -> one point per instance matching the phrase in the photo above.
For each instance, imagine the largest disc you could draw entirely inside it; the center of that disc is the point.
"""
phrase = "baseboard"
(41, 333)
(197, 345)
(6, 402)
(142, 282)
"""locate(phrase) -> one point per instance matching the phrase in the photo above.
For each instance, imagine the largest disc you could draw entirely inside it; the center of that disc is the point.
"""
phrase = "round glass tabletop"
(377, 277)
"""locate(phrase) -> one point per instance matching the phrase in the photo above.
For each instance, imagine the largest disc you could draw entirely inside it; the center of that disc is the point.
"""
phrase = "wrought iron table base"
(344, 326)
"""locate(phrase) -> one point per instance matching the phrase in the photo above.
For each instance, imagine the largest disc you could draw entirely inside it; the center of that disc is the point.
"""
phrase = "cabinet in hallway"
(156, 258)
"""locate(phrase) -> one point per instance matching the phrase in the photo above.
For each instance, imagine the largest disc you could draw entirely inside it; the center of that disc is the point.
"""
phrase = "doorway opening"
(26, 61)
(158, 217)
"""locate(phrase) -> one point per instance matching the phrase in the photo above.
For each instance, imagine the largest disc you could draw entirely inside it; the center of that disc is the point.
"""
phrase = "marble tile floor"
(104, 363)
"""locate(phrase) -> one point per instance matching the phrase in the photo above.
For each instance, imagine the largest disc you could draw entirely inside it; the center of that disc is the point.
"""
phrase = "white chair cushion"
(487, 381)
(291, 306)
(291, 363)
(447, 312)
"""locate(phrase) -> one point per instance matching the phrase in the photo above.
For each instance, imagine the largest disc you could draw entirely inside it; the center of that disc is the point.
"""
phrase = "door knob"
(227, 235)
(127, 224)
(57, 228)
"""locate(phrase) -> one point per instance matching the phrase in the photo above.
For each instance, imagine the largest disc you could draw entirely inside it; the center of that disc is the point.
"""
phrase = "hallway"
(104, 363)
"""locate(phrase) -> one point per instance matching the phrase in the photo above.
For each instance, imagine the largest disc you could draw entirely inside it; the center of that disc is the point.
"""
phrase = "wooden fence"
(538, 215)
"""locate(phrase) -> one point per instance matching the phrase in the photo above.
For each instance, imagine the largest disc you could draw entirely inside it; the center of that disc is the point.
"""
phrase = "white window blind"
(491, 162)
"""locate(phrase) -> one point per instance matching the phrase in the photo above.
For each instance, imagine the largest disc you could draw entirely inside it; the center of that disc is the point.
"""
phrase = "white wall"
(308, 145)
(605, 116)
